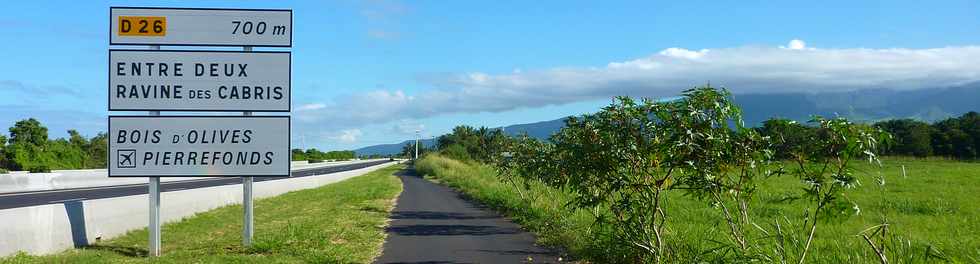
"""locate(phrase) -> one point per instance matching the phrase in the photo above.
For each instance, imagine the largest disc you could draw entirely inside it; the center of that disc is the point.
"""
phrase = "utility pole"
(417, 137)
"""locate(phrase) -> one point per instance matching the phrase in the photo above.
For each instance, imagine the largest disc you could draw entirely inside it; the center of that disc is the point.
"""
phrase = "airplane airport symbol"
(125, 158)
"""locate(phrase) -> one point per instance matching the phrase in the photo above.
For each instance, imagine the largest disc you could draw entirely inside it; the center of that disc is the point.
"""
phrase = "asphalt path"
(434, 224)
(15, 200)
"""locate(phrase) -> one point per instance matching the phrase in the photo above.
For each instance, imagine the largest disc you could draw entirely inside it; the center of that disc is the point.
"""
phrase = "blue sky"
(371, 72)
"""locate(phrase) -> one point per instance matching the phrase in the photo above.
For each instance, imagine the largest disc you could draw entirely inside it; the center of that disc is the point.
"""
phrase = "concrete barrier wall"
(52, 228)
(67, 179)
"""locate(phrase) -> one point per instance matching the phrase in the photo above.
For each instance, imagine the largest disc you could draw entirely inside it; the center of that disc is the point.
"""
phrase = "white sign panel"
(151, 80)
(200, 26)
(195, 146)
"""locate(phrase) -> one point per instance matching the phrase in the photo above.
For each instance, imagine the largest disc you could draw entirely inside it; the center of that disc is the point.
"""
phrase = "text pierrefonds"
(198, 146)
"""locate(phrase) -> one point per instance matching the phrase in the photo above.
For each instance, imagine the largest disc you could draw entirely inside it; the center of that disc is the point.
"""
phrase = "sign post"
(247, 220)
(157, 80)
(153, 193)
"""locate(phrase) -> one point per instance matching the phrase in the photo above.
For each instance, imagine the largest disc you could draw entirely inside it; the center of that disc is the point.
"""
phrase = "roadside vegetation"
(931, 214)
(337, 223)
(29, 149)
(315, 156)
(645, 181)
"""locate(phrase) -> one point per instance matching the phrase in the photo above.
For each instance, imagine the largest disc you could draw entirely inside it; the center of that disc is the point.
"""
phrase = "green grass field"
(337, 223)
(933, 214)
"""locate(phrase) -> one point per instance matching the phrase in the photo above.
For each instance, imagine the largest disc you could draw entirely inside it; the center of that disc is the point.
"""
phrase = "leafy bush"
(825, 166)
(622, 163)
(468, 143)
(455, 151)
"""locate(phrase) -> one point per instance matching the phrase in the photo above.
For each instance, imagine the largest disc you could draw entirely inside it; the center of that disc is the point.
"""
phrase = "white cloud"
(683, 53)
(326, 139)
(795, 44)
(311, 107)
(348, 136)
(746, 69)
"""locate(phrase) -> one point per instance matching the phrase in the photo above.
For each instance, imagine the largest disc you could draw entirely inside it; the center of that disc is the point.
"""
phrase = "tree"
(29, 131)
(911, 137)
(482, 144)
(97, 150)
(3, 152)
(314, 155)
(298, 154)
(77, 139)
(28, 139)
(950, 138)
(408, 150)
(786, 135)
(970, 124)
(80, 144)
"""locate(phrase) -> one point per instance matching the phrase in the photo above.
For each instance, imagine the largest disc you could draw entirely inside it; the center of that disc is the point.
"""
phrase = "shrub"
(624, 162)
(456, 152)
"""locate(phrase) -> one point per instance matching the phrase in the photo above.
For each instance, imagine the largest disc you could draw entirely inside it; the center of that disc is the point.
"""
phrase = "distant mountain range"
(865, 106)
(391, 149)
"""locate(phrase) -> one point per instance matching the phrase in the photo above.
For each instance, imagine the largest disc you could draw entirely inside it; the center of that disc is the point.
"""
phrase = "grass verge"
(337, 223)
(931, 209)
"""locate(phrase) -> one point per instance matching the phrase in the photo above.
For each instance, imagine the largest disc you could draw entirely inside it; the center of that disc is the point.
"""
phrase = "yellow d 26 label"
(142, 26)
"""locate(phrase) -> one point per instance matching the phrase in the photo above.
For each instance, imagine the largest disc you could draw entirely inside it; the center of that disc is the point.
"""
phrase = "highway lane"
(15, 200)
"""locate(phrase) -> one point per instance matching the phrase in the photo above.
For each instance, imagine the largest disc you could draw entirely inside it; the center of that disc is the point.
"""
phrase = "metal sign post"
(154, 195)
(247, 227)
(154, 225)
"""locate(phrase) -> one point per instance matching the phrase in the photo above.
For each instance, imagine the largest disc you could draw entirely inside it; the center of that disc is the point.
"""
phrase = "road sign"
(142, 80)
(198, 146)
(200, 27)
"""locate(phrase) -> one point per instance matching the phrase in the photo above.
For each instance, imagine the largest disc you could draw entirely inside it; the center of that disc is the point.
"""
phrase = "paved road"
(14, 200)
(432, 224)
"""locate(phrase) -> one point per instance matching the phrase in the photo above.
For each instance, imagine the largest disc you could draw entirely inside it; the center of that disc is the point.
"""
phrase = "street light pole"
(417, 137)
